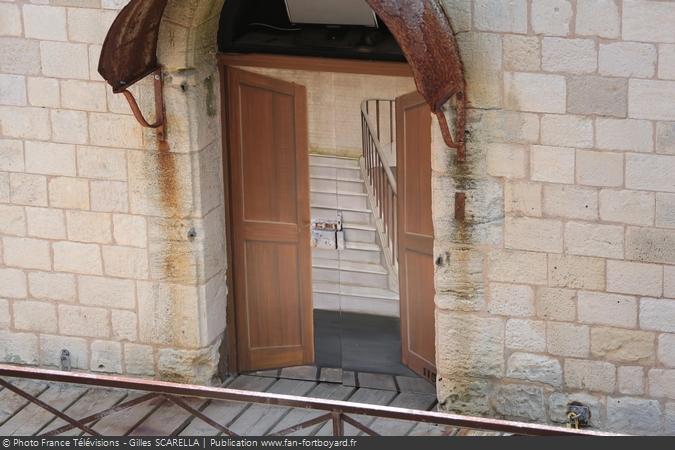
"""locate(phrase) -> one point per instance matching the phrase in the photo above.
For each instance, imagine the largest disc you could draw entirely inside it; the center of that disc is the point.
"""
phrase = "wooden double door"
(269, 215)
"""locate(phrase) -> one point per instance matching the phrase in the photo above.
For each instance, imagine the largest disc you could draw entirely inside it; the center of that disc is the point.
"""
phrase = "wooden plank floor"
(158, 417)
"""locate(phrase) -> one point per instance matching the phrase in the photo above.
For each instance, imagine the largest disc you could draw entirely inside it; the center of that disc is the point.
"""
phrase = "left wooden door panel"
(270, 216)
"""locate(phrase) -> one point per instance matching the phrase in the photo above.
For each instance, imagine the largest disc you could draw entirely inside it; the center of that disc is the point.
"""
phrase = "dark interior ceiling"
(263, 26)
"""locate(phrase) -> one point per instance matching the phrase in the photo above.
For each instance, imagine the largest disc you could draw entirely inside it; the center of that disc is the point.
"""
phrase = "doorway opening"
(328, 173)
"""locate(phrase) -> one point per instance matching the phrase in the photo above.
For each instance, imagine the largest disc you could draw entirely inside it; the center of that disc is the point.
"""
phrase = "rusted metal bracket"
(160, 118)
(460, 122)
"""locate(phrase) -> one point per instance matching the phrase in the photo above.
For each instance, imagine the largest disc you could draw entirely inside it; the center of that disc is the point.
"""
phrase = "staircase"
(356, 278)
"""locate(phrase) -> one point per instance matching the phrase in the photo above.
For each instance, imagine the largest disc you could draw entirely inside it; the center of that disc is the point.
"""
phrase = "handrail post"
(338, 425)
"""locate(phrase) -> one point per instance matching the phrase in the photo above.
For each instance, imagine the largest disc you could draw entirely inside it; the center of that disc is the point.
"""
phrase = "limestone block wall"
(560, 285)
(95, 256)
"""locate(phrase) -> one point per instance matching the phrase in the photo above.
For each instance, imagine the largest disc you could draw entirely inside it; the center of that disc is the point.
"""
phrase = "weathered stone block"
(523, 198)
(26, 253)
(12, 220)
(522, 402)
(25, 122)
(570, 202)
(599, 168)
(504, 126)
(638, 13)
(19, 348)
(109, 196)
(661, 383)
(521, 53)
(106, 356)
(590, 375)
(11, 155)
(64, 60)
(650, 172)
(13, 283)
(46, 223)
(107, 292)
(557, 407)
(598, 18)
(666, 350)
(567, 131)
(43, 92)
(507, 160)
(667, 61)
(553, 164)
(71, 193)
(35, 316)
(627, 59)
(89, 25)
(526, 233)
(84, 95)
(130, 230)
(651, 99)
(10, 20)
(517, 267)
(69, 126)
(629, 207)
(627, 277)
(587, 239)
(657, 314)
(77, 258)
(19, 56)
(52, 286)
(535, 92)
(168, 314)
(139, 359)
(470, 345)
(124, 325)
(529, 335)
(85, 226)
(624, 134)
(459, 281)
(194, 366)
(636, 415)
(26, 189)
(665, 210)
(497, 15)
(576, 272)
(650, 245)
(114, 130)
(12, 88)
(569, 55)
(631, 380)
(84, 321)
(125, 262)
(51, 347)
(551, 17)
(45, 22)
(464, 396)
(568, 339)
(607, 309)
(556, 304)
(511, 300)
(597, 95)
(102, 163)
(624, 346)
(538, 368)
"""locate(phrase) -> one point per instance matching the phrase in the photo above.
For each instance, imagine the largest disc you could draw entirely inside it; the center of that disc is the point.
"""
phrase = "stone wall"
(560, 285)
(95, 256)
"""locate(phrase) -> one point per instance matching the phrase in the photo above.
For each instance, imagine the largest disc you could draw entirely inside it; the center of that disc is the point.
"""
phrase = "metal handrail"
(336, 410)
(378, 145)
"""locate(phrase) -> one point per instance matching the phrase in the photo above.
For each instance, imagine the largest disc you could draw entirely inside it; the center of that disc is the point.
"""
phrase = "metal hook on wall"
(160, 118)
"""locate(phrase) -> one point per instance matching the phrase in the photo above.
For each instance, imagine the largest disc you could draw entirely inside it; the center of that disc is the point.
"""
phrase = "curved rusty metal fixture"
(420, 27)
(425, 35)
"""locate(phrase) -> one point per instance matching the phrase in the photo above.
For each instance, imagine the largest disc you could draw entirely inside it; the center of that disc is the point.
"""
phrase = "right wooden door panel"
(415, 234)
(269, 208)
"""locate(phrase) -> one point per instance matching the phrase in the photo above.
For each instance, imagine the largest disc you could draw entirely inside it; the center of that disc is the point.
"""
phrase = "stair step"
(364, 246)
(355, 278)
(335, 161)
(348, 215)
(354, 290)
(327, 184)
(349, 201)
(324, 206)
(349, 266)
(359, 305)
(326, 171)
(360, 256)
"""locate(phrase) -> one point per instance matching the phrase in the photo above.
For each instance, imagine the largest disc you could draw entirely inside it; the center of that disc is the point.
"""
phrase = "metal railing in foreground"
(337, 412)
